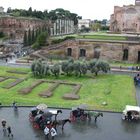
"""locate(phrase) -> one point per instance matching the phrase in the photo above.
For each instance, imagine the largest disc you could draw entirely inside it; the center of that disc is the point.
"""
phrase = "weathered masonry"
(107, 50)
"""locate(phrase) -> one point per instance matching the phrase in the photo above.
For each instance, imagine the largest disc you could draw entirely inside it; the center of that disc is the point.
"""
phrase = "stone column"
(67, 26)
(51, 31)
(60, 27)
(54, 28)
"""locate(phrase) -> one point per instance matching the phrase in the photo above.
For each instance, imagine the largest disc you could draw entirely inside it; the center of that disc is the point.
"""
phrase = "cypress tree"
(25, 39)
(33, 36)
(29, 37)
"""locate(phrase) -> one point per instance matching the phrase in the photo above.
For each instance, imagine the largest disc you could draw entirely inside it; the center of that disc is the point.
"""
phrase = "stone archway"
(97, 51)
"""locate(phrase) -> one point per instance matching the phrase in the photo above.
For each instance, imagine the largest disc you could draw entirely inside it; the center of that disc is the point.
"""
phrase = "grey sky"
(88, 9)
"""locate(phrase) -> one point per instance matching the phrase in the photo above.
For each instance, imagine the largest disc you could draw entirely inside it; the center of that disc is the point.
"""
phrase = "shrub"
(1, 34)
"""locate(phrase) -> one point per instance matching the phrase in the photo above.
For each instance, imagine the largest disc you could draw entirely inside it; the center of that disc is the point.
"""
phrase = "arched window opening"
(125, 54)
(82, 52)
(138, 56)
(69, 52)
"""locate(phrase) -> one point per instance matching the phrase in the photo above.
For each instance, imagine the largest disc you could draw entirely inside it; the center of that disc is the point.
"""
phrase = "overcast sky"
(88, 9)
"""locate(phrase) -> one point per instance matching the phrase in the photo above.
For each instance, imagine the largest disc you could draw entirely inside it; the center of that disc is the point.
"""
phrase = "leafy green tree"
(83, 68)
(1, 34)
(67, 67)
(46, 69)
(98, 65)
(96, 26)
(55, 70)
(36, 46)
(42, 38)
(91, 65)
(77, 68)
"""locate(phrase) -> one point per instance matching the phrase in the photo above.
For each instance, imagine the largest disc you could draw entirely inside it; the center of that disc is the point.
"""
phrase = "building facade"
(126, 18)
(84, 23)
(126, 51)
(1, 10)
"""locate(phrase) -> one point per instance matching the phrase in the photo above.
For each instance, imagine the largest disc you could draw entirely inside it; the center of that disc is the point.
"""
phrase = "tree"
(1, 34)
(55, 70)
(67, 67)
(42, 38)
(33, 36)
(25, 38)
(84, 68)
(30, 11)
(36, 46)
(37, 68)
(46, 69)
(96, 26)
(29, 37)
(77, 68)
(9, 10)
(98, 65)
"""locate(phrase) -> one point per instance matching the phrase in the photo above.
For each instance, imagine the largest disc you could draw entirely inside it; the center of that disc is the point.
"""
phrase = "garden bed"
(49, 92)
(3, 79)
(73, 95)
(17, 72)
(30, 88)
(10, 85)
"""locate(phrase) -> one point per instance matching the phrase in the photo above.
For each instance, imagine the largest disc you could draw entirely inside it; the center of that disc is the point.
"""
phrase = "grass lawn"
(124, 64)
(102, 37)
(112, 89)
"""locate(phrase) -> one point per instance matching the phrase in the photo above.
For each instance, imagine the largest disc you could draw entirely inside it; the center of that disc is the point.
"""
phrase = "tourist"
(6, 60)
(14, 105)
(9, 131)
(46, 131)
(3, 122)
(53, 132)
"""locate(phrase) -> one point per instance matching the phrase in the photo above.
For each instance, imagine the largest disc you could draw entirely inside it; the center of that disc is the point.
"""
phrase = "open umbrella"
(42, 106)
(83, 106)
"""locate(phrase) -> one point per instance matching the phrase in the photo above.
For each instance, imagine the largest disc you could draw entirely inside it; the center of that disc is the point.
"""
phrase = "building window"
(82, 52)
(97, 51)
(138, 56)
(69, 52)
(125, 54)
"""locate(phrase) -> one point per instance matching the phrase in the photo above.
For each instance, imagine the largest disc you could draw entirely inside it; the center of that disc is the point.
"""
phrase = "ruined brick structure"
(126, 18)
(106, 50)
(15, 27)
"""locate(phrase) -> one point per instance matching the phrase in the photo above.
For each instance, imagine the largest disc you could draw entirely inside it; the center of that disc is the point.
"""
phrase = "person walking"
(3, 122)
(9, 131)
(14, 105)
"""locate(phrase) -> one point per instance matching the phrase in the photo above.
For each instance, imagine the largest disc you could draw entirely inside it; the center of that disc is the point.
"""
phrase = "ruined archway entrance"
(97, 51)
(69, 52)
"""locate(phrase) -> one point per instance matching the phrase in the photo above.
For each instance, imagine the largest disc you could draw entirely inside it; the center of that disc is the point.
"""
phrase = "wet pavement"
(108, 127)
